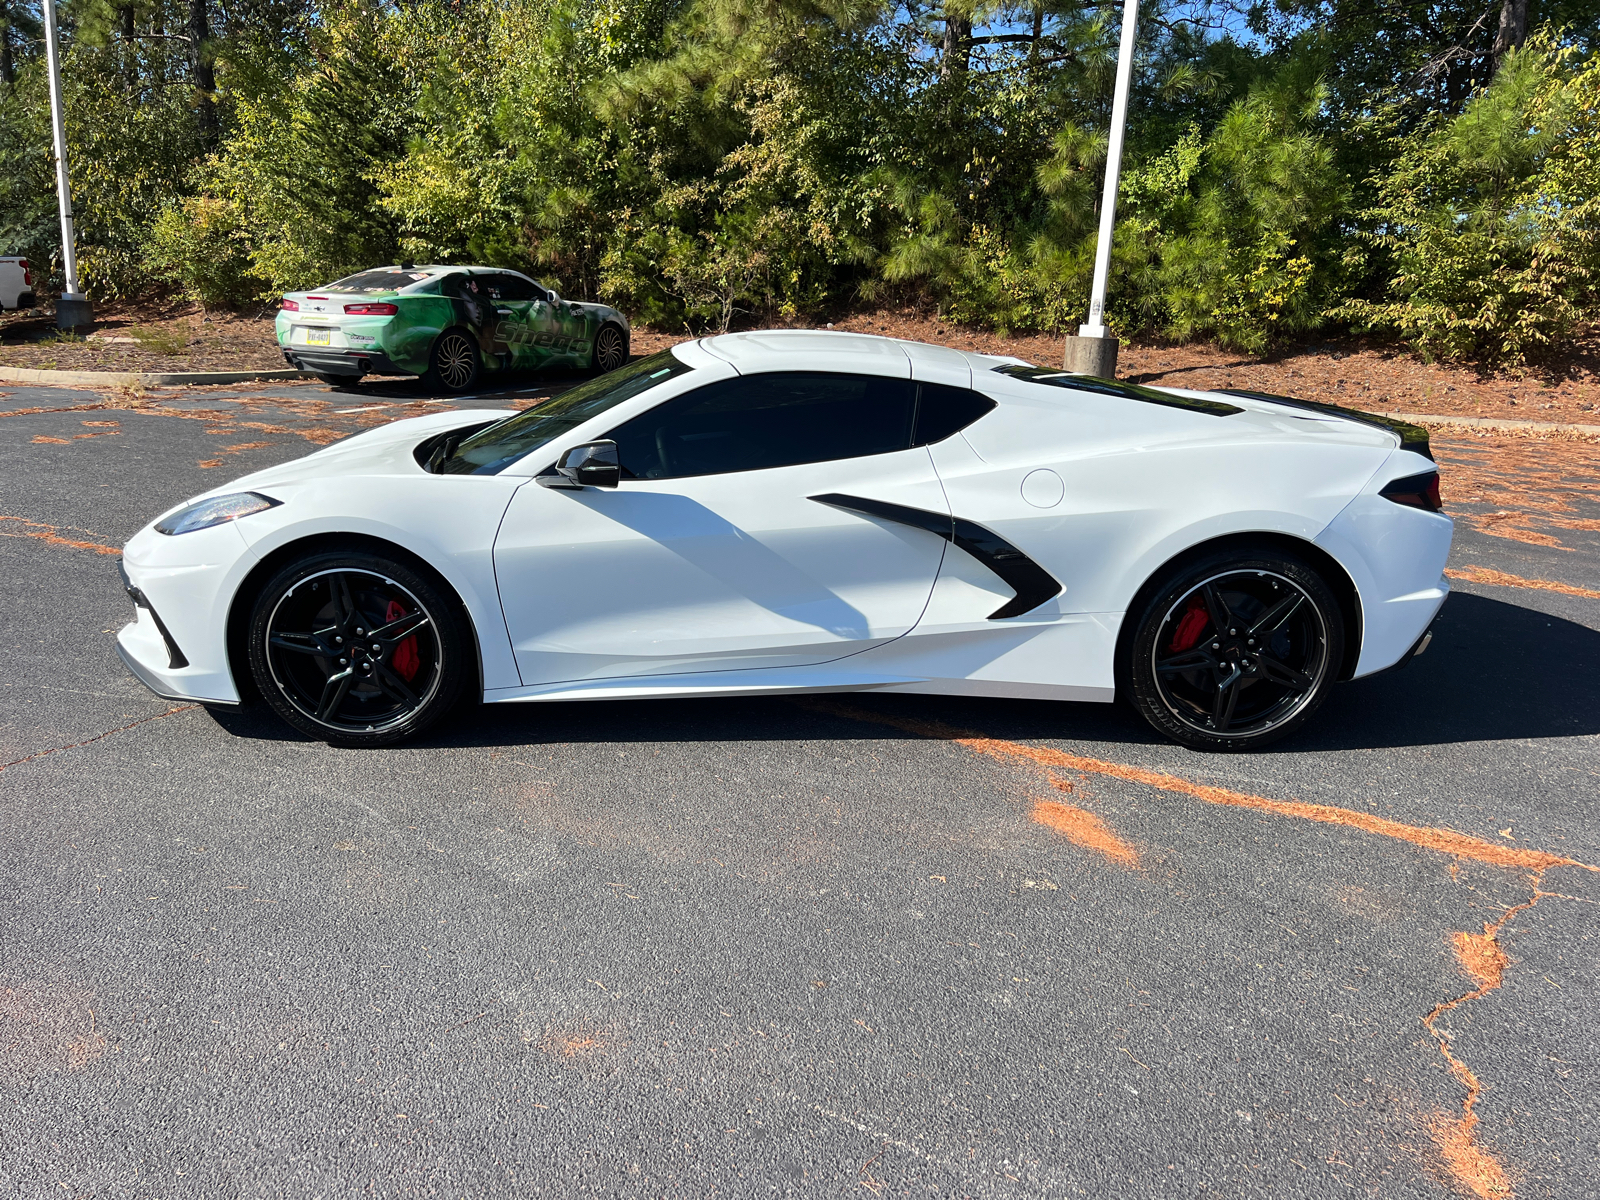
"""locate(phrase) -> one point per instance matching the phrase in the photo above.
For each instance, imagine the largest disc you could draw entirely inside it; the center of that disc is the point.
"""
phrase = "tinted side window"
(762, 421)
(943, 411)
(515, 287)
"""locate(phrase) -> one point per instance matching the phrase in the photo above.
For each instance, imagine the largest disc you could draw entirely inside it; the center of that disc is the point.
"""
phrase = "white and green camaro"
(450, 324)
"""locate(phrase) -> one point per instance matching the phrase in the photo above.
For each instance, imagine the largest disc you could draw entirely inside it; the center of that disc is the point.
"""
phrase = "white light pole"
(1093, 351)
(73, 309)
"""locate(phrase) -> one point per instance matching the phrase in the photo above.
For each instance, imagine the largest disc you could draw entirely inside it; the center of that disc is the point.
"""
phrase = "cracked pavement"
(892, 945)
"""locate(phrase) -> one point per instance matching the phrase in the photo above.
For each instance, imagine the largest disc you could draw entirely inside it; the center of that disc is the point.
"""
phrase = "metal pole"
(73, 308)
(1096, 328)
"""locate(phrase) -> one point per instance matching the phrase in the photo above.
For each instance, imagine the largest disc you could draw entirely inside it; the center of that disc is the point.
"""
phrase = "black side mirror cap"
(594, 464)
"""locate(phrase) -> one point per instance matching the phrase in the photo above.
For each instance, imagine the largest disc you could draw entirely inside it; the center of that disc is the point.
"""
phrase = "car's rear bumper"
(1395, 556)
(331, 361)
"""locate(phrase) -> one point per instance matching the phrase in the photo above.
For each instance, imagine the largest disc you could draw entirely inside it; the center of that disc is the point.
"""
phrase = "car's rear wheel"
(454, 364)
(1236, 650)
(610, 349)
(358, 649)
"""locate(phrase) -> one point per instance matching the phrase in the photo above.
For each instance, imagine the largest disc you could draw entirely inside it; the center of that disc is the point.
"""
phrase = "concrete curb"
(142, 378)
(1494, 423)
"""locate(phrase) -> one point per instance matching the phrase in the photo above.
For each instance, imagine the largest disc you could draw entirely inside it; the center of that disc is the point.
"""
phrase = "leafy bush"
(199, 244)
(1486, 225)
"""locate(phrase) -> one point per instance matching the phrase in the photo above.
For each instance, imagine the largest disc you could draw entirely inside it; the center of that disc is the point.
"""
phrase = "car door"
(715, 552)
(517, 307)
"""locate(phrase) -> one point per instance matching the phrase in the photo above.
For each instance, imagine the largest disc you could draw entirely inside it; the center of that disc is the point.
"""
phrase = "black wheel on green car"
(1236, 650)
(454, 364)
(358, 649)
(610, 349)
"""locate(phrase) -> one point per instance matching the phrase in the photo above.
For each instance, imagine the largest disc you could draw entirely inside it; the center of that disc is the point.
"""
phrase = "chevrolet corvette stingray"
(791, 512)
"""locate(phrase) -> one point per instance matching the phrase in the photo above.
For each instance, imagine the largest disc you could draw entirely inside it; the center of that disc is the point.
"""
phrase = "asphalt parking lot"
(891, 945)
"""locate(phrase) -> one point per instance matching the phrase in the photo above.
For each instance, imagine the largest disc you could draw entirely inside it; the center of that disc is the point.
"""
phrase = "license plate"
(317, 337)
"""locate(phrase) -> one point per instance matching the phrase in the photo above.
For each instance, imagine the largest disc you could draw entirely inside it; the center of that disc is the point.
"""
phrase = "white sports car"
(791, 511)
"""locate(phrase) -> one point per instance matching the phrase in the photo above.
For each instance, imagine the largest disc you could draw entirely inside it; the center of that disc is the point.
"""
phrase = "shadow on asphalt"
(1495, 671)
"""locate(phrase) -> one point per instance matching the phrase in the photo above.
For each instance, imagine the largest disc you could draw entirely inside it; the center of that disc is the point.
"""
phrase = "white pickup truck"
(16, 284)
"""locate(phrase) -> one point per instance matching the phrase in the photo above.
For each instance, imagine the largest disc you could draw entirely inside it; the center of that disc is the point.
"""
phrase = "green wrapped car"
(448, 324)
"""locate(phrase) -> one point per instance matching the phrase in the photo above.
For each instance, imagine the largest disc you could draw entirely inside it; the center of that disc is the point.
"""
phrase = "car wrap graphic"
(387, 321)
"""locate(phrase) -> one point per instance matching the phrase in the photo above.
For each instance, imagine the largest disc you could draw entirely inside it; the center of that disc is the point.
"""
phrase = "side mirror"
(594, 464)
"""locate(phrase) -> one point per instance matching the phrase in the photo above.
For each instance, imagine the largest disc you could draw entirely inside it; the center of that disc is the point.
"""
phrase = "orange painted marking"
(1445, 841)
(1501, 579)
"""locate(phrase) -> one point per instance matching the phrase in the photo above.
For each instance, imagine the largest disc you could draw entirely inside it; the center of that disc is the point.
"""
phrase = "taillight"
(291, 306)
(27, 274)
(371, 310)
(1417, 491)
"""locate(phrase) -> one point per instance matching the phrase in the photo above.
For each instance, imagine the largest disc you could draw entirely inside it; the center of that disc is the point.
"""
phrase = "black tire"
(1235, 650)
(454, 364)
(610, 349)
(312, 635)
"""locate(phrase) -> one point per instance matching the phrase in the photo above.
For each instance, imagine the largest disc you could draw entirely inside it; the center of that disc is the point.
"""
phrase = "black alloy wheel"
(1233, 653)
(356, 649)
(454, 365)
(610, 349)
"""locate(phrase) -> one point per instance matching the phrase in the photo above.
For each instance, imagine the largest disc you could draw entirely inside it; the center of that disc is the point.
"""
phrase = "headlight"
(217, 510)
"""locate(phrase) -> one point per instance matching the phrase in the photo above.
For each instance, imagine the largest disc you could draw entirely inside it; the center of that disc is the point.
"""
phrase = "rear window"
(387, 279)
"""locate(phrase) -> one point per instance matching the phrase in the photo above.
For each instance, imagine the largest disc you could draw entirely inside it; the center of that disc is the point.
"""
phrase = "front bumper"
(321, 360)
(181, 589)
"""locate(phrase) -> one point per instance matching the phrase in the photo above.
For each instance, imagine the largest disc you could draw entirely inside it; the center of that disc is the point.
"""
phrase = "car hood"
(604, 311)
(383, 450)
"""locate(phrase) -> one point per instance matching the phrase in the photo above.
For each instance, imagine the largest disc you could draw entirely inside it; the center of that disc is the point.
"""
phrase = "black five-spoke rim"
(1240, 653)
(455, 361)
(611, 352)
(353, 650)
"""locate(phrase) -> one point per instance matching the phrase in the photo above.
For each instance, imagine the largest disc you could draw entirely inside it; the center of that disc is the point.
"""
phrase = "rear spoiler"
(1412, 437)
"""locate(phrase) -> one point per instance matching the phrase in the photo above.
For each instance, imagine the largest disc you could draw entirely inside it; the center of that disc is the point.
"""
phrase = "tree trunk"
(130, 72)
(205, 79)
(955, 54)
(8, 69)
(1513, 29)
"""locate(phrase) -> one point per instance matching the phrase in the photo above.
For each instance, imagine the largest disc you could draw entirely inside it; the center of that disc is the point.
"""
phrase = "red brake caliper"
(1190, 627)
(406, 660)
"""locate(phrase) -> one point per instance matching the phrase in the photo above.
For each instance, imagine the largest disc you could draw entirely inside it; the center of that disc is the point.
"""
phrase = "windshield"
(385, 279)
(493, 449)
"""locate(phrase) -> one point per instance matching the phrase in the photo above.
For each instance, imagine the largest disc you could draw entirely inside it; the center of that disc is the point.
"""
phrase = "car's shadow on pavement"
(1495, 671)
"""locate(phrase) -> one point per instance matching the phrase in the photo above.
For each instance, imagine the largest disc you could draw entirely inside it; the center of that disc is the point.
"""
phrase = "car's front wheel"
(454, 365)
(357, 649)
(1236, 650)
